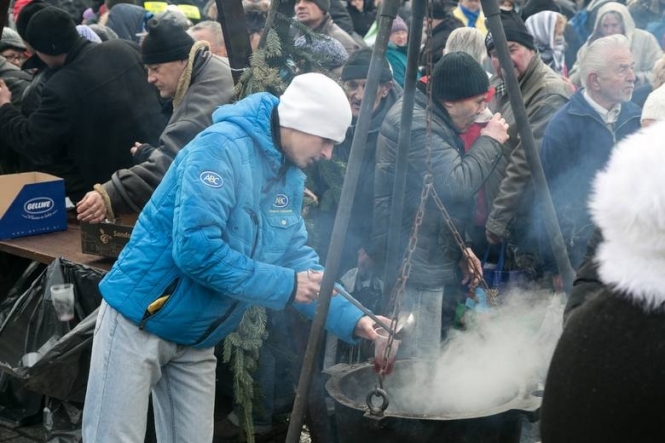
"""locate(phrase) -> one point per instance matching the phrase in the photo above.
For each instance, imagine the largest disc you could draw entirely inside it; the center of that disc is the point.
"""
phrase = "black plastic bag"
(49, 356)
(18, 405)
(62, 421)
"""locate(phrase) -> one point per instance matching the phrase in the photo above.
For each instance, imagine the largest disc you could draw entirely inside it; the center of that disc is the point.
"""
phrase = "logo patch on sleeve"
(212, 179)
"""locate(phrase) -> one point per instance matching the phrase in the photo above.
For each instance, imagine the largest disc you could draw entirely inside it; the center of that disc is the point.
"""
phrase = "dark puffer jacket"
(457, 178)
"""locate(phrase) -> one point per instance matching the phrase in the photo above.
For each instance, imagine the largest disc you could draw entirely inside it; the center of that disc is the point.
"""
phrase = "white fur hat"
(654, 107)
(317, 105)
(628, 202)
(628, 205)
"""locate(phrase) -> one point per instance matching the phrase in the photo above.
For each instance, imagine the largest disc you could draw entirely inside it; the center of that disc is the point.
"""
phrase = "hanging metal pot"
(352, 388)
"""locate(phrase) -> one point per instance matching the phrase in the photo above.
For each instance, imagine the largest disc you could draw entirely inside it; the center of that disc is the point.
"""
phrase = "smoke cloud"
(503, 351)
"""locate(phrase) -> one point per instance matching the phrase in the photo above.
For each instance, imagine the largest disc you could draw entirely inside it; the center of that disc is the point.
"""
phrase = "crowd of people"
(134, 106)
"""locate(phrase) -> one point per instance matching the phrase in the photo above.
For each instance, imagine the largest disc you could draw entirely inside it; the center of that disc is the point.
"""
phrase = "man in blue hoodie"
(222, 232)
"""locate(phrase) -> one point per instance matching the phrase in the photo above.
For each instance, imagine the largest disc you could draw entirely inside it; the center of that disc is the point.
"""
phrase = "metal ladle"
(405, 321)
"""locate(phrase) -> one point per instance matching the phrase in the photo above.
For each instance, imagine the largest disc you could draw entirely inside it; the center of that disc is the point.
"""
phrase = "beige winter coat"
(643, 45)
(508, 191)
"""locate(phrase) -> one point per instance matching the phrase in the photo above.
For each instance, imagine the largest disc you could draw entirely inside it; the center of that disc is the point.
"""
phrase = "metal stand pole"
(392, 252)
(231, 15)
(4, 14)
(388, 13)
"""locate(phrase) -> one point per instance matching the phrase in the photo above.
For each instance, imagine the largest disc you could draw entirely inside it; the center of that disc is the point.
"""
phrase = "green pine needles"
(272, 67)
(242, 348)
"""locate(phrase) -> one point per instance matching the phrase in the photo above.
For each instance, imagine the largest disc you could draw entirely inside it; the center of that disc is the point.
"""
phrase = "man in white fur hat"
(221, 233)
(605, 383)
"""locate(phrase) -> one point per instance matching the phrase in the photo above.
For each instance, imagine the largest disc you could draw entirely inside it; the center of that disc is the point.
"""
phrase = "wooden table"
(47, 247)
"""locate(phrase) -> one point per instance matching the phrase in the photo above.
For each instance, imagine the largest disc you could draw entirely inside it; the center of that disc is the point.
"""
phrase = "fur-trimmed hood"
(622, 10)
(628, 205)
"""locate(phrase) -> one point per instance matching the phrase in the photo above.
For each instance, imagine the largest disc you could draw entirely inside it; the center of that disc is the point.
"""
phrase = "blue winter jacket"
(577, 144)
(223, 231)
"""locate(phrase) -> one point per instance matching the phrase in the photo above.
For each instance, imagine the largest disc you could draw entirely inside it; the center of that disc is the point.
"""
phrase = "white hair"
(469, 40)
(214, 28)
(596, 58)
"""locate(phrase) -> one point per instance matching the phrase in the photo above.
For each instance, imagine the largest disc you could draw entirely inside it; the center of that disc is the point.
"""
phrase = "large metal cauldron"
(350, 385)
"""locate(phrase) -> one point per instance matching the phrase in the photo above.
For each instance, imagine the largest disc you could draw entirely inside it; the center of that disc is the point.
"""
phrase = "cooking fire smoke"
(502, 351)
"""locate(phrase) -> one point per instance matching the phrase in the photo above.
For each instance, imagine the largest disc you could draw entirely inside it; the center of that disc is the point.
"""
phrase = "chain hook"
(385, 401)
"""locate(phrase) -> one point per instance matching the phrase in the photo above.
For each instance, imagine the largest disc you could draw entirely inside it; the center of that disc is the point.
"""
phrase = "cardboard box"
(107, 239)
(31, 203)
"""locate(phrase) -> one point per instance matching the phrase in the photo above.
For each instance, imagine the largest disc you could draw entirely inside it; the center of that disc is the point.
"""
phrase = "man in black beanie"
(459, 94)
(509, 192)
(314, 14)
(198, 83)
(94, 105)
(354, 76)
(51, 33)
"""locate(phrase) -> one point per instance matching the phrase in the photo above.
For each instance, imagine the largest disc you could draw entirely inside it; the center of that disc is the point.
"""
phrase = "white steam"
(502, 351)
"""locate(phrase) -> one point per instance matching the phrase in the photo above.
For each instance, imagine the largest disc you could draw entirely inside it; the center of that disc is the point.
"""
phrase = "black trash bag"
(18, 405)
(21, 284)
(62, 421)
(11, 268)
(50, 356)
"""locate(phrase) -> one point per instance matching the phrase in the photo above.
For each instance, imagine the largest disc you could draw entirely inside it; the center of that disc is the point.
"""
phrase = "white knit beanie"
(317, 105)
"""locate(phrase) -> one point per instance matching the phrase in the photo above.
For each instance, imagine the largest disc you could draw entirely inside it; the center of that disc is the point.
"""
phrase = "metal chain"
(491, 292)
(428, 87)
(405, 270)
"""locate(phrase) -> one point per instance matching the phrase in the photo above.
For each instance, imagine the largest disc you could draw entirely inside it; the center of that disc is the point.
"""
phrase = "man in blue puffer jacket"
(222, 232)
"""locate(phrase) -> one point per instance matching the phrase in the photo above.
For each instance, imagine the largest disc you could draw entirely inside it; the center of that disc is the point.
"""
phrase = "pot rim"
(523, 402)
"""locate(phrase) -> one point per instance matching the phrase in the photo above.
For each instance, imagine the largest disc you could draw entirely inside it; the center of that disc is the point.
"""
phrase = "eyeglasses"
(13, 57)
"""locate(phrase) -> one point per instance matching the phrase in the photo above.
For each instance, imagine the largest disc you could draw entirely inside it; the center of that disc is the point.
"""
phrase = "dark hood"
(127, 20)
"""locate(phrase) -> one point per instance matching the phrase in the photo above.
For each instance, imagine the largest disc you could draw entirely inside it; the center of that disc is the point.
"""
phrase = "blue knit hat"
(332, 52)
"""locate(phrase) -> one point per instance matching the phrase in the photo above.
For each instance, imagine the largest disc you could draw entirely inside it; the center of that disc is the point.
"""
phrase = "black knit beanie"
(533, 7)
(324, 5)
(26, 14)
(457, 76)
(515, 31)
(441, 8)
(51, 31)
(357, 66)
(165, 42)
